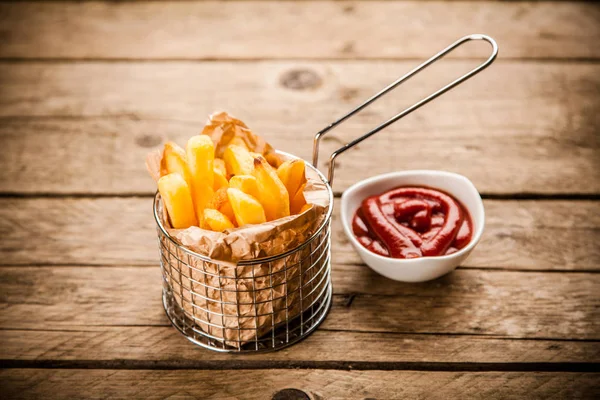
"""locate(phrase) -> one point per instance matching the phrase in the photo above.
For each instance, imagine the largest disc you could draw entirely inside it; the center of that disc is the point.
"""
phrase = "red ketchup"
(411, 222)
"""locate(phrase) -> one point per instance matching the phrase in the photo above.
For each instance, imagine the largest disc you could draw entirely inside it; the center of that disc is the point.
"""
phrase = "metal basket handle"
(410, 109)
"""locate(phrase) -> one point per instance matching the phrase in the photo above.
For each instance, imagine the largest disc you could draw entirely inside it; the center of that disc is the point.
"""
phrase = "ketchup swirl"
(411, 222)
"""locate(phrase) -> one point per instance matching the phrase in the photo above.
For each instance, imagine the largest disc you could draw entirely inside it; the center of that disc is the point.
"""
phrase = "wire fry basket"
(272, 302)
(259, 305)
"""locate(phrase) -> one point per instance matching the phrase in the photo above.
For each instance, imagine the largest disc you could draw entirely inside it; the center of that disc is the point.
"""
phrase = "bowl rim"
(406, 173)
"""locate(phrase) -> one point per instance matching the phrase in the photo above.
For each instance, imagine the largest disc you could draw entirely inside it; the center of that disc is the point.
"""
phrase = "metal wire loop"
(410, 109)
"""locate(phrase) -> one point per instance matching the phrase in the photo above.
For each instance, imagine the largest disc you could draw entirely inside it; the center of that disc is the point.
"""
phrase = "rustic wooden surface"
(519, 115)
(88, 88)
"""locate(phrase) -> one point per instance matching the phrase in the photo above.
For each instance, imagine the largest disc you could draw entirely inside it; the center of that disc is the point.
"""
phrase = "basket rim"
(261, 259)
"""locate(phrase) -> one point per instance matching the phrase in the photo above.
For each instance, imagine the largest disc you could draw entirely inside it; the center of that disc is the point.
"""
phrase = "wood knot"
(290, 394)
(347, 48)
(300, 79)
(148, 140)
(348, 94)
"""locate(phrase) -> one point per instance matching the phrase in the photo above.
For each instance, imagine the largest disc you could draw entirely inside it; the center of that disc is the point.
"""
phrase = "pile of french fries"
(241, 188)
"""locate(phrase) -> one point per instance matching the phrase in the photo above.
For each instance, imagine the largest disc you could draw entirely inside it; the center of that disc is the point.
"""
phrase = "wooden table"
(87, 89)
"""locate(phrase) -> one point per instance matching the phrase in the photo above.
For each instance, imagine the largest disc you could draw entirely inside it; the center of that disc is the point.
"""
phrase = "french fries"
(273, 159)
(220, 174)
(238, 160)
(216, 221)
(201, 195)
(174, 160)
(298, 201)
(272, 194)
(219, 165)
(218, 199)
(235, 180)
(247, 209)
(220, 179)
(220, 202)
(200, 153)
(245, 183)
(227, 210)
(292, 174)
(177, 197)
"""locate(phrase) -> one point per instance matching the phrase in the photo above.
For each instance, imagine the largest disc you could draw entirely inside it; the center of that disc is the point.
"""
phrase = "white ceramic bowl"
(424, 268)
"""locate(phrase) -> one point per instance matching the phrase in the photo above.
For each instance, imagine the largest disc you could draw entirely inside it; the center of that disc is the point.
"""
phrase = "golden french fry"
(246, 183)
(218, 199)
(298, 201)
(247, 209)
(201, 196)
(220, 202)
(200, 153)
(272, 193)
(216, 221)
(292, 175)
(177, 197)
(238, 160)
(227, 210)
(220, 179)
(220, 174)
(273, 159)
(203, 223)
(174, 160)
(219, 164)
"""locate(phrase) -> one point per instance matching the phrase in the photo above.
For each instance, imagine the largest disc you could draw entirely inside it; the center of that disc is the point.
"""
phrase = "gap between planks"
(291, 364)
(470, 268)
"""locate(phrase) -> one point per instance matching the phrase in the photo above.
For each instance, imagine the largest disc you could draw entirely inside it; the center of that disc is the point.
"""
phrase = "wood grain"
(497, 303)
(318, 384)
(163, 346)
(86, 127)
(256, 30)
(530, 235)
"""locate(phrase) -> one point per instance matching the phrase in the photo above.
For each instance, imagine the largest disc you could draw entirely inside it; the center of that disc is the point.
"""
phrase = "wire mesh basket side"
(255, 306)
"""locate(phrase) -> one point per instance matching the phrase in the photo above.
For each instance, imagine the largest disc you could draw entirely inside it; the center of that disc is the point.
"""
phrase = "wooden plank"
(532, 133)
(216, 30)
(164, 346)
(542, 235)
(565, 305)
(309, 384)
